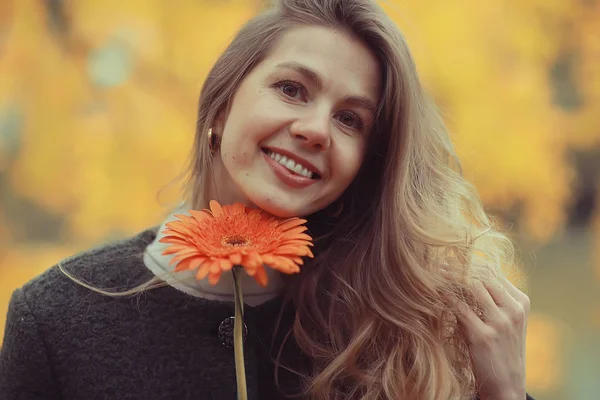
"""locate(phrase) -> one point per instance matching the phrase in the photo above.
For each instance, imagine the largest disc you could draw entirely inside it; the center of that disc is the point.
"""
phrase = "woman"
(314, 110)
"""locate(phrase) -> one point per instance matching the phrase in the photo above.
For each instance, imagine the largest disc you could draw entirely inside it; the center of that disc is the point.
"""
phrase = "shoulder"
(113, 266)
(51, 318)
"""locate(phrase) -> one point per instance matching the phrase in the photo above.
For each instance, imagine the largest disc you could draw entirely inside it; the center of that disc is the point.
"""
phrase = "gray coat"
(63, 341)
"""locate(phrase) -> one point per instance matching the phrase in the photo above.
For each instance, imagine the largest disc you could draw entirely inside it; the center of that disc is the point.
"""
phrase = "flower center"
(235, 241)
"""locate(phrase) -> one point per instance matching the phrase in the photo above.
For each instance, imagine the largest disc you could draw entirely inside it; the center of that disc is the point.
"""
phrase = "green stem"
(238, 337)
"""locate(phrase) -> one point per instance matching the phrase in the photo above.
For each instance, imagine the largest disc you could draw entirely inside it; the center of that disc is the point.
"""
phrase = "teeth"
(290, 164)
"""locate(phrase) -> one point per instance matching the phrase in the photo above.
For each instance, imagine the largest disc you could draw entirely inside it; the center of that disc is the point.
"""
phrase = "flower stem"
(238, 337)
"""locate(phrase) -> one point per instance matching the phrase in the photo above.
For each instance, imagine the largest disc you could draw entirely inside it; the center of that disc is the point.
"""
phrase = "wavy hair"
(371, 310)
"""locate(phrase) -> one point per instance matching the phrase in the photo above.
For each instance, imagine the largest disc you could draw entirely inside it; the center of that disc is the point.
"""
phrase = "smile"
(292, 165)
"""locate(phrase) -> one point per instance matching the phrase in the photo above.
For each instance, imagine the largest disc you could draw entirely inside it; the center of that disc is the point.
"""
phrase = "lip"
(298, 159)
(286, 176)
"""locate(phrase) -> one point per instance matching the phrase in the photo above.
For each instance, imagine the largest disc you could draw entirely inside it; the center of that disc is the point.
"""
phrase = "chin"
(281, 212)
(279, 209)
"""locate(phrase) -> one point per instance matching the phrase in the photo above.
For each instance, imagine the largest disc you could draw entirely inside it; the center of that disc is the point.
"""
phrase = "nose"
(314, 130)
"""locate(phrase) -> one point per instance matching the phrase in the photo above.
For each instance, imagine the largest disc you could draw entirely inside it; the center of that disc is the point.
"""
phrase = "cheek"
(347, 165)
(236, 144)
(244, 131)
(235, 159)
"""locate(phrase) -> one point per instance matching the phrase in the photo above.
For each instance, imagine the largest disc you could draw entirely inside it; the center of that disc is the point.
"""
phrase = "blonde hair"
(371, 309)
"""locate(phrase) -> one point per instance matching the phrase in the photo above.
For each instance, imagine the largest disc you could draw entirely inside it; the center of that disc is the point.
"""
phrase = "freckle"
(233, 157)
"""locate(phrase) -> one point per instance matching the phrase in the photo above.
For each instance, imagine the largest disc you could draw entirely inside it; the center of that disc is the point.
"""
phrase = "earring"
(213, 141)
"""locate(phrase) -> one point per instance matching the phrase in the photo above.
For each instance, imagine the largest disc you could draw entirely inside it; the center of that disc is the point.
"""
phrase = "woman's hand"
(497, 340)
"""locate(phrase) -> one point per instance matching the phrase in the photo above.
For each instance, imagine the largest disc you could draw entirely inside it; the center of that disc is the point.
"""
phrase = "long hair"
(371, 310)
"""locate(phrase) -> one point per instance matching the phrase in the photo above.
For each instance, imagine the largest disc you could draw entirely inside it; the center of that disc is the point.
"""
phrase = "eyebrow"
(315, 78)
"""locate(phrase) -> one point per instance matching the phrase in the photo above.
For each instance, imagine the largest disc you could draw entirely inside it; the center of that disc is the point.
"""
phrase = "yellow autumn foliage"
(100, 155)
(86, 146)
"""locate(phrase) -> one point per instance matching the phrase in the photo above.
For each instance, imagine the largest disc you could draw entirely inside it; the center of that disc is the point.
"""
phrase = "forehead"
(341, 59)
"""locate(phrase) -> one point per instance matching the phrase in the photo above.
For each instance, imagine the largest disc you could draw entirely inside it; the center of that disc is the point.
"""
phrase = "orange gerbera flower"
(216, 240)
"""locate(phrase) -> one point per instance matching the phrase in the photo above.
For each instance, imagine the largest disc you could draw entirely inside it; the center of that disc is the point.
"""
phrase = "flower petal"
(261, 276)
(252, 260)
(173, 249)
(181, 255)
(182, 218)
(292, 233)
(202, 271)
(215, 208)
(213, 279)
(296, 243)
(196, 262)
(302, 236)
(183, 265)
(267, 258)
(291, 250)
(290, 223)
(226, 265)
(235, 258)
(174, 237)
(297, 260)
(200, 216)
(285, 265)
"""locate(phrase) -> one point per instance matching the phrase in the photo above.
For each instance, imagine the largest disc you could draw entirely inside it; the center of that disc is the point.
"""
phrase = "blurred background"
(97, 113)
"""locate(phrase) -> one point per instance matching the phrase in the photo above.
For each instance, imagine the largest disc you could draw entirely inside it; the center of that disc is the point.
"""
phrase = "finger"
(499, 293)
(501, 289)
(472, 325)
(515, 307)
(485, 301)
(513, 291)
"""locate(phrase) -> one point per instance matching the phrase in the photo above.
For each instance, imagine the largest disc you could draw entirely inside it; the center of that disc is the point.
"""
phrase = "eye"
(292, 89)
(350, 119)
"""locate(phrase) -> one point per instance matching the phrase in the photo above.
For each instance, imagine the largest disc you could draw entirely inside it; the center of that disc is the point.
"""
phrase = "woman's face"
(295, 135)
